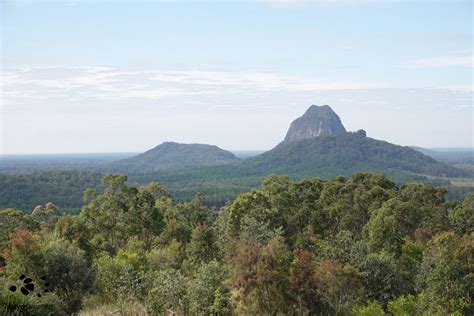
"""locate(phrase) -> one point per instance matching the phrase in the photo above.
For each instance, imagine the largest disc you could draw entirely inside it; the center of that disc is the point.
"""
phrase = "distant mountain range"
(453, 156)
(316, 144)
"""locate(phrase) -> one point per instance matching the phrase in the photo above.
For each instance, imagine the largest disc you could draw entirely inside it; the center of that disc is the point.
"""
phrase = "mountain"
(344, 154)
(185, 169)
(316, 145)
(316, 121)
(171, 156)
(324, 156)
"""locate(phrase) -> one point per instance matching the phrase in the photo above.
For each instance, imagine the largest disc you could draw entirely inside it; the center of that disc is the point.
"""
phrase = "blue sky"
(102, 76)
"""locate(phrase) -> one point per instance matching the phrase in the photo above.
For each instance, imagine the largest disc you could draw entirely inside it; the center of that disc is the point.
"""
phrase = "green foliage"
(360, 245)
(169, 292)
(446, 274)
(19, 304)
(202, 247)
(63, 188)
(12, 220)
(25, 255)
(187, 169)
(208, 290)
(462, 217)
(170, 256)
(63, 264)
(172, 156)
(119, 212)
(339, 286)
(373, 308)
(261, 278)
(71, 276)
(181, 218)
(406, 305)
(118, 280)
(382, 278)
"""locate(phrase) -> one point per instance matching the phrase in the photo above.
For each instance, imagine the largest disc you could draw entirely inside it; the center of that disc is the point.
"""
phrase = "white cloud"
(444, 61)
(111, 83)
(293, 3)
(461, 88)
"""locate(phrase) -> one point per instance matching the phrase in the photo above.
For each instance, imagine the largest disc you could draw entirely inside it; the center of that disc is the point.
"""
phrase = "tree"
(169, 292)
(301, 283)
(446, 273)
(181, 218)
(260, 277)
(69, 273)
(202, 246)
(373, 308)
(75, 230)
(349, 203)
(119, 213)
(118, 280)
(12, 220)
(462, 217)
(382, 279)
(25, 255)
(406, 305)
(168, 256)
(208, 290)
(45, 210)
(339, 286)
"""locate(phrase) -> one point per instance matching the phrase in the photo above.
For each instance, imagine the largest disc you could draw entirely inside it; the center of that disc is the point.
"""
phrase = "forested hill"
(316, 145)
(171, 155)
(344, 154)
(323, 157)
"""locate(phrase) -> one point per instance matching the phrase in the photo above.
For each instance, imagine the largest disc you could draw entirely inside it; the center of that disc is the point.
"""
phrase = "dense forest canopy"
(360, 245)
(24, 191)
(186, 169)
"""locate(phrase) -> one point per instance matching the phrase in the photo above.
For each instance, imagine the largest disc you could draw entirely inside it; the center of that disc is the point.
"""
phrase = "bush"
(15, 303)
(169, 292)
(372, 308)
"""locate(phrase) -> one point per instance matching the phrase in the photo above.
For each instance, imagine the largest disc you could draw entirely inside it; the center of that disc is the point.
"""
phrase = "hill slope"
(344, 154)
(323, 157)
(186, 169)
(171, 156)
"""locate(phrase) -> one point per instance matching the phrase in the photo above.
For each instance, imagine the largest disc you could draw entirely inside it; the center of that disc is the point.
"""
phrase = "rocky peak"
(316, 121)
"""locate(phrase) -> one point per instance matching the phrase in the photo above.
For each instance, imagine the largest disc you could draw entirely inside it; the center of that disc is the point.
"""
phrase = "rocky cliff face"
(316, 121)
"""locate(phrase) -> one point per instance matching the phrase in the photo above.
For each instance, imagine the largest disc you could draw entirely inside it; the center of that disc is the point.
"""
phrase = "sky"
(124, 76)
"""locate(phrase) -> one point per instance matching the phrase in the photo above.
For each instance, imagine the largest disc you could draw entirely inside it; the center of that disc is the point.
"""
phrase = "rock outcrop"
(316, 121)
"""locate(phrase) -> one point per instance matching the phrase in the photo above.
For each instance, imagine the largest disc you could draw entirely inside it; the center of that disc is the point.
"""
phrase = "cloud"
(444, 61)
(460, 88)
(113, 83)
(299, 3)
(53, 91)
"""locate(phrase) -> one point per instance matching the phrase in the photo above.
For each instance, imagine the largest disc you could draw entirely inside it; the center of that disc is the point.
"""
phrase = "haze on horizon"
(89, 76)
